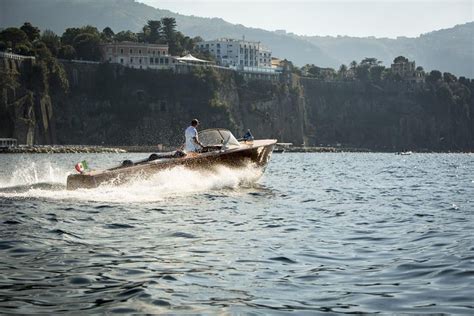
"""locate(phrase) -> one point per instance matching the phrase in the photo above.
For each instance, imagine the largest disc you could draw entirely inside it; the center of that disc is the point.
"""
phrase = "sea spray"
(31, 173)
(165, 184)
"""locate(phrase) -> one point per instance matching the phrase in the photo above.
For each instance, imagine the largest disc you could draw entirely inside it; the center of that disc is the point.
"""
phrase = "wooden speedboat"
(221, 148)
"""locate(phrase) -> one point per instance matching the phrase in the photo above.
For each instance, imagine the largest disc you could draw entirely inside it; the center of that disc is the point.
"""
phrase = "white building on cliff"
(238, 54)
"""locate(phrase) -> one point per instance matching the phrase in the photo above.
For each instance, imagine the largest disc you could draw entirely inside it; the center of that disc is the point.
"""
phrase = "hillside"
(58, 15)
(449, 50)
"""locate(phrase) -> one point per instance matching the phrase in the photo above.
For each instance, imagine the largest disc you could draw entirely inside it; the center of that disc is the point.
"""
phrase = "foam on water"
(48, 181)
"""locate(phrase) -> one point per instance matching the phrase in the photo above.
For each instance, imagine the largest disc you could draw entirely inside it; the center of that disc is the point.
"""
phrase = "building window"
(139, 51)
(131, 51)
(110, 59)
(131, 60)
(121, 60)
(156, 61)
(161, 60)
(139, 60)
(121, 50)
(151, 60)
(166, 60)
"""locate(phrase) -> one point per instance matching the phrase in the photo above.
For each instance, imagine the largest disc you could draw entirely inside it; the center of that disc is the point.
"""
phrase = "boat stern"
(81, 181)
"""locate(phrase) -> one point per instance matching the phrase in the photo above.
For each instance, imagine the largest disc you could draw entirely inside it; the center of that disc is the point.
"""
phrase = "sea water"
(316, 233)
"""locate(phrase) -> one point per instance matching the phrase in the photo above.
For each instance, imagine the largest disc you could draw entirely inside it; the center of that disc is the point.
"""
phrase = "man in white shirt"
(192, 143)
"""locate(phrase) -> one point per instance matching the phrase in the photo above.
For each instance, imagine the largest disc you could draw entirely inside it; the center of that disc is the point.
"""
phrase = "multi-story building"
(238, 54)
(137, 55)
(407, 70)
(404, 68)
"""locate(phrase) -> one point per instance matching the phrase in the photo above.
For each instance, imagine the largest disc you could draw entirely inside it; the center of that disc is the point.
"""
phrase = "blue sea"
(335, 233)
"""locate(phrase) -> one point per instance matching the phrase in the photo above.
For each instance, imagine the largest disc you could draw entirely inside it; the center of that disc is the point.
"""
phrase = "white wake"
(48, 181)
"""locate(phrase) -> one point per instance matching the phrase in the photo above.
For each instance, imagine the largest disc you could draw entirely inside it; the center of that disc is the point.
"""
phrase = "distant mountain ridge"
(449, 50)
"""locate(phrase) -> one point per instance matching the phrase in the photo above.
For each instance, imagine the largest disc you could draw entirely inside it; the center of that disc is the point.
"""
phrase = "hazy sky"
(382, 18)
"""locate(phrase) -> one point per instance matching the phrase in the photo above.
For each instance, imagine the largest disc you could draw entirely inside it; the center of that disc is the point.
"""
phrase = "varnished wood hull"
(257, 152)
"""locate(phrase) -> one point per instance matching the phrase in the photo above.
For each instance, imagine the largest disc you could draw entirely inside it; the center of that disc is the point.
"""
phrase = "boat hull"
(257, 152)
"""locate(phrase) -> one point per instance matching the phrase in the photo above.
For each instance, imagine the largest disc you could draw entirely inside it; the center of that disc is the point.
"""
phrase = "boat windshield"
(218, 137)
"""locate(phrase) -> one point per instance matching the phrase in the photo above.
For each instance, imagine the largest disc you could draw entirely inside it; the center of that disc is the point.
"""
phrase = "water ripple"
(319, 234)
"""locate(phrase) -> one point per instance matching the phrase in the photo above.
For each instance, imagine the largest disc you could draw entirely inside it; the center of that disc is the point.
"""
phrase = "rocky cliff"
(26, 109)
(111, 105)
(391, 115)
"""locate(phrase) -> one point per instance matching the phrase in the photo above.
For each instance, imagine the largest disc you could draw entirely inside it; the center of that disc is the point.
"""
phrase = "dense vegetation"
(84, 42)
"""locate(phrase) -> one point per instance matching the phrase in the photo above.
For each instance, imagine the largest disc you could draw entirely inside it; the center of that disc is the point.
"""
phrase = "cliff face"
(390, 116)
(111, 105)
(26, 111)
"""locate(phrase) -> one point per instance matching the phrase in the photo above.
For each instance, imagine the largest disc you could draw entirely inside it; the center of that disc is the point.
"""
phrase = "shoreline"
(60, 149)
(68, 149)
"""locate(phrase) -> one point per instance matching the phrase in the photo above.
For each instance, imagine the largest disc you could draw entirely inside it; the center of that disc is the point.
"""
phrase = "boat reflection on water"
(221, 148)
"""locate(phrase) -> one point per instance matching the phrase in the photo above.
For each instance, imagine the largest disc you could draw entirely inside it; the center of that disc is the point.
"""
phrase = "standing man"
(192, 143)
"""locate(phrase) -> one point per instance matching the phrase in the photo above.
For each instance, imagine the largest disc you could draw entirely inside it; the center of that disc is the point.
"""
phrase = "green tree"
(376, 72)
(52, 41)
(400, 59)
(107, 34)
(153, 31)
(144, 34)
(169, 28)
(362, 72)
(69, 35)
(449, 77)
(23, 49)
(31, 31)
(42, 51)
(87, 46)
(13, 36)
(89, 29)
(172, 37)
(370, 61)
(67, 52)
(342, 72)
(434, 76)
(126, 36)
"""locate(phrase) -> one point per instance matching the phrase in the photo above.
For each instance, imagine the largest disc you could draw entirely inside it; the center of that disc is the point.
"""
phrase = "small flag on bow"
(81, 166)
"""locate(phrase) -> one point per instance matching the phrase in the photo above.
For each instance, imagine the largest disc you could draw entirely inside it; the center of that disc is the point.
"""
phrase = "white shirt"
(190, 144)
